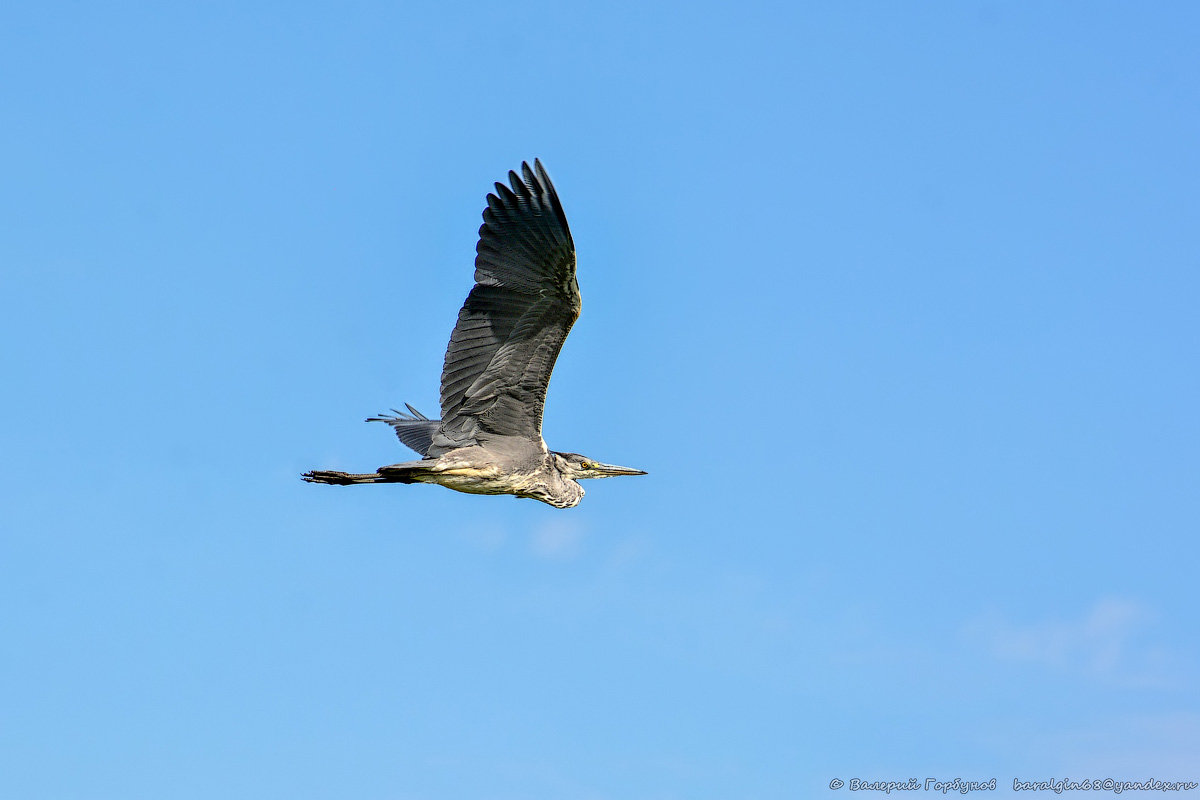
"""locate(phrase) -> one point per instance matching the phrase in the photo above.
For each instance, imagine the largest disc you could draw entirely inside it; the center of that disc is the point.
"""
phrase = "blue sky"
(896, 302)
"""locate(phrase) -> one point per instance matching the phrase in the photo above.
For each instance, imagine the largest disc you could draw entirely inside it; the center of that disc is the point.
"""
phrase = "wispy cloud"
(1163, 745)
(1108, 642)
(482, 535)
(558, 540)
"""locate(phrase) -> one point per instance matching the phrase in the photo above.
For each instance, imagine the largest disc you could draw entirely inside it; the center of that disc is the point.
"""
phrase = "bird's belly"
(489, 480)
(473, 480)
(473, 484)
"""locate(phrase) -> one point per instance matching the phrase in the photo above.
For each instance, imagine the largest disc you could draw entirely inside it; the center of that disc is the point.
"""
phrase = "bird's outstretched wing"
(515, 320)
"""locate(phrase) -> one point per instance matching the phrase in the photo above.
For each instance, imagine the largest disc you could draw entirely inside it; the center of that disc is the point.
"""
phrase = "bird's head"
(576, 466)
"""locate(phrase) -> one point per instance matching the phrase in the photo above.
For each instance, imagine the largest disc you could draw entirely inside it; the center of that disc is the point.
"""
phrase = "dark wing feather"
(414, 429)
(515, 320)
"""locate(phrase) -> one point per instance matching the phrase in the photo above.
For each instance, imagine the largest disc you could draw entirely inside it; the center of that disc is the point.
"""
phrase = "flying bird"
(498, 363)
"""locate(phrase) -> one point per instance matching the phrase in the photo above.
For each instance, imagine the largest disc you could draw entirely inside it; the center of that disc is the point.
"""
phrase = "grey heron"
(498, 363)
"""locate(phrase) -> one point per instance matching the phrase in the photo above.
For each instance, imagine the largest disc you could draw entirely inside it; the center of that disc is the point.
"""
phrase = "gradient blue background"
(896, 302)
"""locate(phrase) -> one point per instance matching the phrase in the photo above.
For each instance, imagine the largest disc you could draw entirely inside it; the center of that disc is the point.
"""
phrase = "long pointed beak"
(612, 470)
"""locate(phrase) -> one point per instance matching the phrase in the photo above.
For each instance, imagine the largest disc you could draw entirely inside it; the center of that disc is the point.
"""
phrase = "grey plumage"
(498, 363)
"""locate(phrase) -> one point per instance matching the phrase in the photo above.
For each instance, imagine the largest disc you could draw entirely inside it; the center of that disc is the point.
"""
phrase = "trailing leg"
(346, 478)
